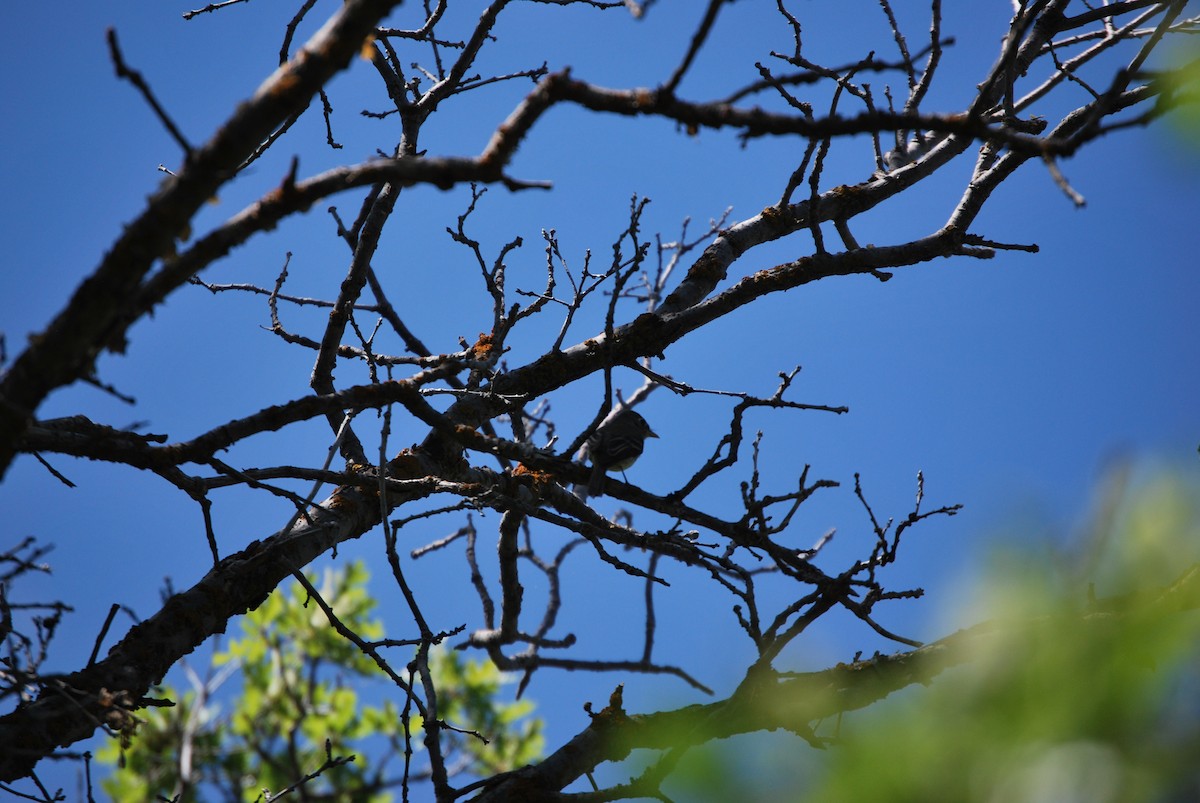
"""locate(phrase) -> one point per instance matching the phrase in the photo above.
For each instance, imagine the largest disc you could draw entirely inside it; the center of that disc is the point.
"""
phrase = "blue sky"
(1011, 383)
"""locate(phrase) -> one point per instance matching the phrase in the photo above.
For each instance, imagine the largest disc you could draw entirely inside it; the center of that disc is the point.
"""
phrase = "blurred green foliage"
(1078, 679)
(301, 685)
(1183, 79)
(1082, 683)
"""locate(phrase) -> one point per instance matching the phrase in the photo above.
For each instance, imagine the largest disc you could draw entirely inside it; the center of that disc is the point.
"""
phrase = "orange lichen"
(614, 712)
(523, 471)
(338, 501)
(535, 480)
(406, 466)
(483, 348)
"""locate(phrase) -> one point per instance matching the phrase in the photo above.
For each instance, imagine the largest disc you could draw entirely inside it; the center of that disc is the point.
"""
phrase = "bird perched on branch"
(615, 446)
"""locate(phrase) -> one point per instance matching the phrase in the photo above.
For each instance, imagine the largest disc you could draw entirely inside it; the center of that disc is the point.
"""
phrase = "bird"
(615, 446)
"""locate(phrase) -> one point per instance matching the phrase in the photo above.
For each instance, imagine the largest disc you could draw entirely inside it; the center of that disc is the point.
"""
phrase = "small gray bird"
(615, 446)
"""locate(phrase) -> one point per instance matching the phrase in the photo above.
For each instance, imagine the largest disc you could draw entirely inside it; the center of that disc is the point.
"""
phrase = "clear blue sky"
(1010, 383)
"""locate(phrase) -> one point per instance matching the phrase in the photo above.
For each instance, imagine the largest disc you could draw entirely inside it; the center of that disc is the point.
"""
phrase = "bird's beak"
(651, 434)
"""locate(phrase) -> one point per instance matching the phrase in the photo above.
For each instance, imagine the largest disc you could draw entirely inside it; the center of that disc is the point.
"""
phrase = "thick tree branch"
(526, 475)
(98, 315)
(769, 701)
